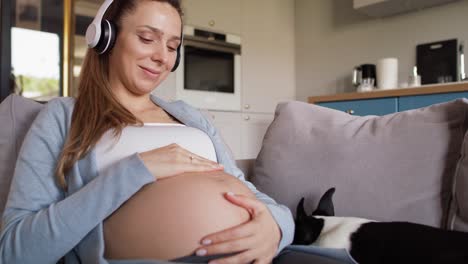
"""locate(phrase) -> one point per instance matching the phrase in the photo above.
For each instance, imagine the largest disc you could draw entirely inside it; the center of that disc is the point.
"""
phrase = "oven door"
(210, 75)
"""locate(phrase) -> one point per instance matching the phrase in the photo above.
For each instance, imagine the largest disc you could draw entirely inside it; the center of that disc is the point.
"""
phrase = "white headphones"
(100, 35)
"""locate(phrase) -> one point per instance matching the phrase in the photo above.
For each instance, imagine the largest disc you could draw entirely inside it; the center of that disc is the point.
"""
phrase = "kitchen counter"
(421, 90)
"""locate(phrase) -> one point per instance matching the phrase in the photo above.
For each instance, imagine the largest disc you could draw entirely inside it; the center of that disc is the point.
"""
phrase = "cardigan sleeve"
(41, 223)
(280, 213)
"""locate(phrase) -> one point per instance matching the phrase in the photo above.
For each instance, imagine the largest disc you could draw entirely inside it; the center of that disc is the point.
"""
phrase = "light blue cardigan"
(42, 223)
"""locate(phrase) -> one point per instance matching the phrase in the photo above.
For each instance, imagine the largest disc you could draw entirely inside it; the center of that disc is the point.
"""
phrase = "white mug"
(387, 73)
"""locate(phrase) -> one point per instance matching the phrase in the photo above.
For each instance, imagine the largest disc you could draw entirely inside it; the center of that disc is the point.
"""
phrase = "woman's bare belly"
(168, 218)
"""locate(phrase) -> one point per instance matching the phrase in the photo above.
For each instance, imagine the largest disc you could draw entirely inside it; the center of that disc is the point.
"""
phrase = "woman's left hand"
(256, 240)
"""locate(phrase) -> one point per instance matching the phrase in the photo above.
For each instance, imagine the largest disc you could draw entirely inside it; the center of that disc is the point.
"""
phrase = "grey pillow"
(397, 167)
(16, 115)
(459, 206)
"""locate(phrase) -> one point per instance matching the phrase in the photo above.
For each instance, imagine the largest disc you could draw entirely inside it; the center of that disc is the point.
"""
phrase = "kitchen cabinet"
(214, 15)
(267, 54)
(383, 8)
(391, 101)
(229, 124)
(381, 106)
(242, 132)
(253, 129)
(418, 101)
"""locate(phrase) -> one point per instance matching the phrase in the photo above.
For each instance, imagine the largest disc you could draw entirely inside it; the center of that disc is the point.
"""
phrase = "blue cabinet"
(418, 101)
(380, 106)
(388, 105)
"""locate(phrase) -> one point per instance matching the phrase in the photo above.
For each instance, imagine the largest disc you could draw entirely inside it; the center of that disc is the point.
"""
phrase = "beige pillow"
(397, 167)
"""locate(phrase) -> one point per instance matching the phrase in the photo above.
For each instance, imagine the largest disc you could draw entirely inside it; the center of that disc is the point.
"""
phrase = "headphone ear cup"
(177, 61)
(113, 36)
(107, 38)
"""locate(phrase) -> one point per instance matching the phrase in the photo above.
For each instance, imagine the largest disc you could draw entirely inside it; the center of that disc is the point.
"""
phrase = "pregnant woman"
(118, 175)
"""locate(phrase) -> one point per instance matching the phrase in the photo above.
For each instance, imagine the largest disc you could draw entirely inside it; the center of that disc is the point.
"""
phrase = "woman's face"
(146, 47)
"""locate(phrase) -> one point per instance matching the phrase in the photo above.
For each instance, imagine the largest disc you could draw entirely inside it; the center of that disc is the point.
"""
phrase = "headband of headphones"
(101, 35)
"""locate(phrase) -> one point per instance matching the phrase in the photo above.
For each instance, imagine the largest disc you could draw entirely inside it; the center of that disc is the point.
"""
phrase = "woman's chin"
(142, 89)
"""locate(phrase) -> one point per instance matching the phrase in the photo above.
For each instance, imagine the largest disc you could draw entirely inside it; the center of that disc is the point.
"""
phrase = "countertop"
(421, 90)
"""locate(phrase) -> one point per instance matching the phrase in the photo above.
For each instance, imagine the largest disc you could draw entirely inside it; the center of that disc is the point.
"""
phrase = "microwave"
(209, 74)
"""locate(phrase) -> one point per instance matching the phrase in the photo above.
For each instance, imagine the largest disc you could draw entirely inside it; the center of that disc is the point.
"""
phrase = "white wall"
(331, 38)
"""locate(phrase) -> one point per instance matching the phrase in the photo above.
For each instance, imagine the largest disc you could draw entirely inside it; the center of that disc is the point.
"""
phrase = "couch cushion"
(397, 167)
(458, 218)
(16, 115)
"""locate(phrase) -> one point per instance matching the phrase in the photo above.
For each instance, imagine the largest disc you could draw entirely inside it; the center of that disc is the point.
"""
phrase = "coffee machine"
(364, 77)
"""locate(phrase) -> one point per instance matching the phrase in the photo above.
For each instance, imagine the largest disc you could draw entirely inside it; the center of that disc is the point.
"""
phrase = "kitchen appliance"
(364, 77)
(414, 80)
(387, 73)
(437, 61)
(210, 70)
(462, 62)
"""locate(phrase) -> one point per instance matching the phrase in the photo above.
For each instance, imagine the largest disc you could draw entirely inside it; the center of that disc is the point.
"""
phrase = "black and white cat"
(378, 242)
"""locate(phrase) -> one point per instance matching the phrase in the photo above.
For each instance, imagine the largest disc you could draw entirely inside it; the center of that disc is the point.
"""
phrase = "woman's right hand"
(173, 159)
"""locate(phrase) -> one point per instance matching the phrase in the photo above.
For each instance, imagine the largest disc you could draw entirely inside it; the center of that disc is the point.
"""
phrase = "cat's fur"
(378, 242)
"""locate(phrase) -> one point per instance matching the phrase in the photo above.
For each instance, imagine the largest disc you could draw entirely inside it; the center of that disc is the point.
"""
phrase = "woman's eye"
(171, 48)
(145, 40)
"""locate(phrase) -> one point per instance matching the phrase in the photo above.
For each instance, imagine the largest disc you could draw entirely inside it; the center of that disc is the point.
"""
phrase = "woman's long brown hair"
(96, 109)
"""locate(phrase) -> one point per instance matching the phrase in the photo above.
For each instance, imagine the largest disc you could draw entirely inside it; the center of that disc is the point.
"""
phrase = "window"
(36, 70)
(32, 48)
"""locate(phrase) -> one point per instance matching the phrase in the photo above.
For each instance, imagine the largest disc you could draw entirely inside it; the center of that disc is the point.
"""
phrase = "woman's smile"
(151, 73)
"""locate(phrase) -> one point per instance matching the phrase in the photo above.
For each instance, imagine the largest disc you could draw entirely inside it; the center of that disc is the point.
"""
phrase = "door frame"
(5, 48)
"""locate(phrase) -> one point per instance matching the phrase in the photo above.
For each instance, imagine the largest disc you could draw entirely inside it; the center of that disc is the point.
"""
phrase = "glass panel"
(37, 73)
(208, 70)
(36, 39)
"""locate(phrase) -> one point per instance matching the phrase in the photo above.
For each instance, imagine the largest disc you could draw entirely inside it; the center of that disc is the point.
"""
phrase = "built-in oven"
(209, 76)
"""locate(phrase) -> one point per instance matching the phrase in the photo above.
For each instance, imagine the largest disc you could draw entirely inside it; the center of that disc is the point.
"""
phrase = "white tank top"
(110, 150)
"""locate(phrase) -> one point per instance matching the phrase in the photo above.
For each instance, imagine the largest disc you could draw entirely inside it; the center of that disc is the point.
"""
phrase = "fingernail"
(206, 242)
(201, 252)
(230, 194)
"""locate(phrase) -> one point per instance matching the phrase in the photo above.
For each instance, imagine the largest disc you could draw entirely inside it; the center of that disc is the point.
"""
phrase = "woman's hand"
(173, 159)
(256, 240)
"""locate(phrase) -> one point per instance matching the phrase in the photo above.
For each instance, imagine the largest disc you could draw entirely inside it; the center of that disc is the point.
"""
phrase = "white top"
(110, 150)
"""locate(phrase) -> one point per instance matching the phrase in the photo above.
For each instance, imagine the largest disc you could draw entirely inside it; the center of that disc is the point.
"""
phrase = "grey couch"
(407, 166)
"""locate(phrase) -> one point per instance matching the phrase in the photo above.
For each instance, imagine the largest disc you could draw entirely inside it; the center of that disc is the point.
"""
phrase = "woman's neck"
(134, 103)
(143, 108)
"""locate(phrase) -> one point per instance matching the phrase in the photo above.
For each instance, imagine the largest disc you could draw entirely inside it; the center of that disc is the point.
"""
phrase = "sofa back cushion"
(397, 167)
(16, 115)
(458, 218)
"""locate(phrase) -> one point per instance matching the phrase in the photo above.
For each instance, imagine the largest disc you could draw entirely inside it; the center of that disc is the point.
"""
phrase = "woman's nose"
(161, 55)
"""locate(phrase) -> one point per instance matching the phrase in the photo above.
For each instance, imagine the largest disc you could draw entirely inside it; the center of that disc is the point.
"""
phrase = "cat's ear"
(325, 206)
(300, 212)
